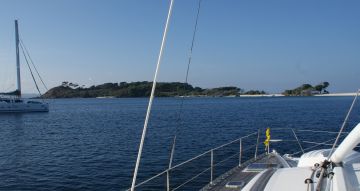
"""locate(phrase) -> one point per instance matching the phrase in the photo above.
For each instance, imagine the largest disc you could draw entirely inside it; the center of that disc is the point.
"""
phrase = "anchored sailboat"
(13, 101)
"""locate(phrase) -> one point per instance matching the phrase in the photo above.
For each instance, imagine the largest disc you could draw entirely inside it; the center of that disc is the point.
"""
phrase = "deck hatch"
(258, 167)
(235, 184)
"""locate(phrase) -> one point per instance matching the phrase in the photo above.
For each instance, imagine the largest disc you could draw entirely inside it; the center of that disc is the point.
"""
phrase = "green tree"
(319, 87)
(306, 86)
(325, 85)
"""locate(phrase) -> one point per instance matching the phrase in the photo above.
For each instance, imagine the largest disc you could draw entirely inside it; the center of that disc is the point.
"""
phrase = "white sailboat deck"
(255, 171)
(240, 176)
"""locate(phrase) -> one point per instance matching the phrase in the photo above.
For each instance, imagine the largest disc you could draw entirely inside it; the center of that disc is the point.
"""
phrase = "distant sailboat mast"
(18, 91)
(13, 101)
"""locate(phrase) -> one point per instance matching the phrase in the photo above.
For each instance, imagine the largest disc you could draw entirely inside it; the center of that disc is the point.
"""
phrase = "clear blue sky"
(266, 45)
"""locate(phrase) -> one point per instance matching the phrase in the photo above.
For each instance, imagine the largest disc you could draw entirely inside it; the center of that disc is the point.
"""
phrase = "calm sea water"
(91, 144)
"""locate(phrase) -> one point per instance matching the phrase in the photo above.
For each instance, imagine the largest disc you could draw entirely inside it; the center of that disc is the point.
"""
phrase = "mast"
(133, 184)
(17, 59)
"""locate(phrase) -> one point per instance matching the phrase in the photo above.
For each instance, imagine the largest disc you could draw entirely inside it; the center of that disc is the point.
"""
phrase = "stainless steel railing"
(324, 138)
(242, 153)
(247, 148)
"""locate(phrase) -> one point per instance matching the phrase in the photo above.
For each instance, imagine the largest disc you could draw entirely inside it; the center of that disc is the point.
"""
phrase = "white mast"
(17, 58)
(151, 98)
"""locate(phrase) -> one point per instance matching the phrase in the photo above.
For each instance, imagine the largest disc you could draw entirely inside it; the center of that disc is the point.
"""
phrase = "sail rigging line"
(31, 72)
(343, 125)
(31, 61)
(193, 41)
(184, 85)
(151, 97)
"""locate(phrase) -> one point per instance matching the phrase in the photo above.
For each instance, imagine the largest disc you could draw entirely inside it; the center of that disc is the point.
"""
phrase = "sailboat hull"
(17, 106)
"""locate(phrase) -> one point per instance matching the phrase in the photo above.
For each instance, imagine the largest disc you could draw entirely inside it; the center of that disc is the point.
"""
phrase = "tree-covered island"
(167, 89)
(308, 90)
(142, 89)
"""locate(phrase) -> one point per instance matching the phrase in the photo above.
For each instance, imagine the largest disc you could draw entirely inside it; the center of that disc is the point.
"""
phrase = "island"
(143, 89)
(308, 90)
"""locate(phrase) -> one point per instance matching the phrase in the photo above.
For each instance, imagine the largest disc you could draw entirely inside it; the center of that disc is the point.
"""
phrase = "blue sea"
(91, 144)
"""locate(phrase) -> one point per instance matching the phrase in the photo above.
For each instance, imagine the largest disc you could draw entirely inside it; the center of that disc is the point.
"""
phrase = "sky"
(252, 44)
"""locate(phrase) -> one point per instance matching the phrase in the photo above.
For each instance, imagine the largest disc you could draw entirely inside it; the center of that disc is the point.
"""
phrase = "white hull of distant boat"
(20, 105)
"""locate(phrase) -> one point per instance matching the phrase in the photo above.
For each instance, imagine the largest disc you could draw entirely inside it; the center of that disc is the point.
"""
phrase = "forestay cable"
(185, 83)
(32, 75)
(151, 98)
(343, 125)
(31, 61)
